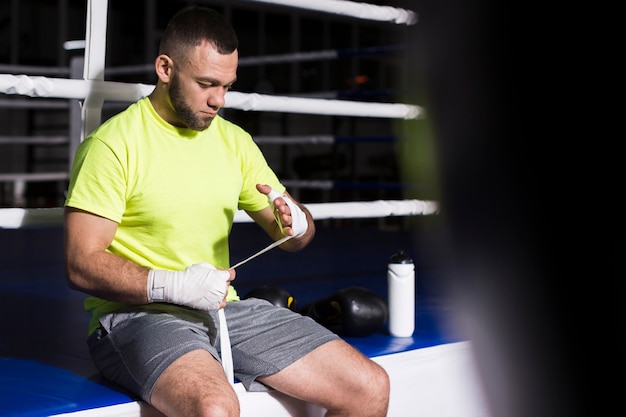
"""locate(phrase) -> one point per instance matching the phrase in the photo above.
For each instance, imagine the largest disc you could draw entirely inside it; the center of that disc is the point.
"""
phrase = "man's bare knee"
(371, 398)
(195, 385)
(217, 406)
(368, 396)
(377, 391)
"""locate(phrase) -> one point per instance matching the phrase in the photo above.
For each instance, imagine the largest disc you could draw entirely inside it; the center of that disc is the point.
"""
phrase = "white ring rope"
(128, 92)
(16, 218)
(262, 102)
(353, 9)
(72, 88)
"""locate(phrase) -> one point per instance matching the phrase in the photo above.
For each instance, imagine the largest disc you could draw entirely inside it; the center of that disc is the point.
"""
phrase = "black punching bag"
(351, 312)
(275, 295)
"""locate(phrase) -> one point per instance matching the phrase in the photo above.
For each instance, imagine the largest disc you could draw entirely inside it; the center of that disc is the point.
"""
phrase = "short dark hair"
(196, 24)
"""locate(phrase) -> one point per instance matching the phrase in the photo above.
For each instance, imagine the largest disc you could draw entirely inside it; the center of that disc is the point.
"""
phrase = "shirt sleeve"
(97, 180)
(256, 171)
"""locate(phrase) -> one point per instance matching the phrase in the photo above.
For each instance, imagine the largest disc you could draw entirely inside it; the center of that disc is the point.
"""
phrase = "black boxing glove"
(351, 312)
(275, 295)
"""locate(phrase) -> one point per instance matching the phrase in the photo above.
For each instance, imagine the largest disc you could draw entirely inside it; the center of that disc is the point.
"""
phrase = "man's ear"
(163, 66)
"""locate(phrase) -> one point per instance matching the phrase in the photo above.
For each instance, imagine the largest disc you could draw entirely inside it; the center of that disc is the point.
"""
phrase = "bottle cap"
(400, 257)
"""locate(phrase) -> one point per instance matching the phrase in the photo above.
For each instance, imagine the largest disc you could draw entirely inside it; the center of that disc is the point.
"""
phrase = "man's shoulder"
(121, 122)
(128, 113)
(226, 125)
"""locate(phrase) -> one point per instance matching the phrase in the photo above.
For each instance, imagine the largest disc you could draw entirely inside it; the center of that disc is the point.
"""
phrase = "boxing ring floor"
(45, 368)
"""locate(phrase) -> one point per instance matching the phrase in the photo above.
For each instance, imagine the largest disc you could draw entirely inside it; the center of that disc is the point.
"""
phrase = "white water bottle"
(401, 287)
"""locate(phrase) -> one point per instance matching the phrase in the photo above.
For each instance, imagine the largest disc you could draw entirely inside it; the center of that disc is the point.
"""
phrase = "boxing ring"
(45, 368)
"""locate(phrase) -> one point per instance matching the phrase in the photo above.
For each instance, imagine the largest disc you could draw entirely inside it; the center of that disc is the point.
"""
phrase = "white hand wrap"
(299, 223)
(200, 286)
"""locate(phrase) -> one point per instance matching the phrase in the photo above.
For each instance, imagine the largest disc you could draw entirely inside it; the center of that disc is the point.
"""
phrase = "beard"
(184, 111)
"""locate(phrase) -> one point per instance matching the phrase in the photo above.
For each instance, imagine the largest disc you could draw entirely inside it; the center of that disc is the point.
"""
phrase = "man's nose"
(217, 98)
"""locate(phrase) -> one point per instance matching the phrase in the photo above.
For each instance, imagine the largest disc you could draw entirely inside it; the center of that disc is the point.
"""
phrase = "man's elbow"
(73, 278)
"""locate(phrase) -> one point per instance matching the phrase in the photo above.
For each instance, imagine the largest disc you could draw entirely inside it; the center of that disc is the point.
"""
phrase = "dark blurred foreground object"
(351, 312)
(498, 244)
(280, 297)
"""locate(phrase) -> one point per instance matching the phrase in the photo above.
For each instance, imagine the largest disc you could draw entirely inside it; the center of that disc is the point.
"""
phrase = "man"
(151, 201)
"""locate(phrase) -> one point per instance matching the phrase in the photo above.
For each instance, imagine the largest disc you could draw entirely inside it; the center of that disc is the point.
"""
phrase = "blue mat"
(29, 388)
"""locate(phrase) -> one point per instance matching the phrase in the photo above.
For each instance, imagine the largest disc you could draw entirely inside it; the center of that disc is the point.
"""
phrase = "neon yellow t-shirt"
(172, 191)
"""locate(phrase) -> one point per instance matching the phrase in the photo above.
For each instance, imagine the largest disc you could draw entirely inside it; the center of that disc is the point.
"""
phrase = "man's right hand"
(200, 286)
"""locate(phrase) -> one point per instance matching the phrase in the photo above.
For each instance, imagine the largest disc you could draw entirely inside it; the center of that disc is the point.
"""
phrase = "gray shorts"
(133, 348)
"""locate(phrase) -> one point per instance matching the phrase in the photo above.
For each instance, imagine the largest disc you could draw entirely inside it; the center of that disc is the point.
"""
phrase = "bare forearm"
(108, 276)
(93, 270)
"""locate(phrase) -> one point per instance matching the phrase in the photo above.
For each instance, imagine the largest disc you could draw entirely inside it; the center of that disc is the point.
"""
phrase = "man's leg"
(195, 385)
(168, 360)
(337, 377)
